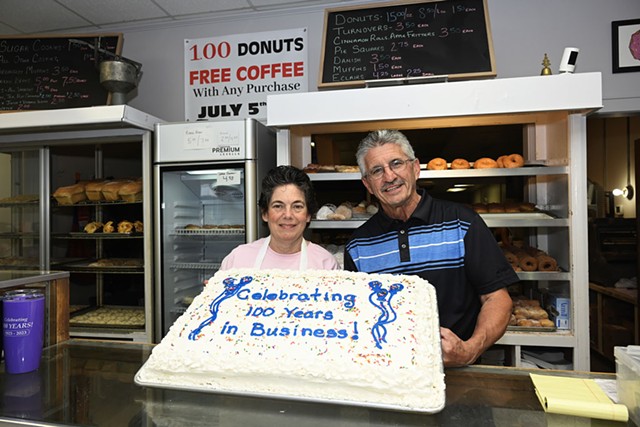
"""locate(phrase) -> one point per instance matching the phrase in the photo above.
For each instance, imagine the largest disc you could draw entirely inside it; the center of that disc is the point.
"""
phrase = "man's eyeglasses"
(395, 165)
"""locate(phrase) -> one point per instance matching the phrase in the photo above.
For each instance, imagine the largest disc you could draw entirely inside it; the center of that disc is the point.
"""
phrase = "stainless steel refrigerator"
(206, 186)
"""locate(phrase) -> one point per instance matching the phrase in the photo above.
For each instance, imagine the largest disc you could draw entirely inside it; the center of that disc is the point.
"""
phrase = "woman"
(287, 203)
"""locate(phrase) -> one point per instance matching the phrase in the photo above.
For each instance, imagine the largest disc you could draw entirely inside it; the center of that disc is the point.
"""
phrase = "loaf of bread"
(70, 194)
(93, 190)
(110, 190)
(131, 191)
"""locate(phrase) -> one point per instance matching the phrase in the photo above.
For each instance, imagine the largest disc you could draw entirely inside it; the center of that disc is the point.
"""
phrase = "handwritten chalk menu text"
(44, 73)
(395, 41)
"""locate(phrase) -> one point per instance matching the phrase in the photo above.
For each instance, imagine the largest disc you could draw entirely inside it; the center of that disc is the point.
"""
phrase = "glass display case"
(20, 179)
(44, 153)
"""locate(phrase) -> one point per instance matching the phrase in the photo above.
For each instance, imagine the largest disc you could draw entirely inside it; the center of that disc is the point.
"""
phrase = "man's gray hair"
(378, 138)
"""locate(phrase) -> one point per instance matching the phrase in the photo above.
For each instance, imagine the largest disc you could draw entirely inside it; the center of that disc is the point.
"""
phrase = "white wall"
(523, 31)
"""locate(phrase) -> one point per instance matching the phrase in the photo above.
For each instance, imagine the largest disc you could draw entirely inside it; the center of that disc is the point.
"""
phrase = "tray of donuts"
(507, 161)
(505, 207)
(527, 315)
(529, 259)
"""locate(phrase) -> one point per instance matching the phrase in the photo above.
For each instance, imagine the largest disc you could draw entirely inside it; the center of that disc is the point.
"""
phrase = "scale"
(119, 76)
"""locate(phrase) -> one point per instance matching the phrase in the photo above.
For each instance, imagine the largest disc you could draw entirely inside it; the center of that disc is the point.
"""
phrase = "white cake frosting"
(319, 335)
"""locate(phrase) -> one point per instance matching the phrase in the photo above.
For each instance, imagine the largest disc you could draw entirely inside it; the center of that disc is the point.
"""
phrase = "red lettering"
(265, 71)
(213, 75)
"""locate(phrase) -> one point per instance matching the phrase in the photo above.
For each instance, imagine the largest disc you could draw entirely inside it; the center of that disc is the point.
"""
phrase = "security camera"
(569, 58)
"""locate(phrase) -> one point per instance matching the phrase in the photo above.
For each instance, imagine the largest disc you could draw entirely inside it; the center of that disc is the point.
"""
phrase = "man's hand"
(492, 322)
(456, 352)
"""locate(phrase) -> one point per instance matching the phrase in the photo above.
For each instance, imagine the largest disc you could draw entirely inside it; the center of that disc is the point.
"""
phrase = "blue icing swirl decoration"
(381, 298)
(231, 288)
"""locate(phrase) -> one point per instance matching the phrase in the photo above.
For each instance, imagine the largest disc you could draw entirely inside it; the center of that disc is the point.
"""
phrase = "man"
(443, 242)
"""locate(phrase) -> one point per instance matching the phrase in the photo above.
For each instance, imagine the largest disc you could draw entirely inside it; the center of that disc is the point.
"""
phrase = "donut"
(311, 168)
(511, 207)
(528, 322)
(527, 207)
(460, 164)
(527, 262)
(546, 263)
(513, 161)
(511, 258)
(502, 235)
(496, 208)
(500, 161)
(526, 303)
(533, 313)
(437, 164)
(485, 163)
(479, 207)
(546, 323)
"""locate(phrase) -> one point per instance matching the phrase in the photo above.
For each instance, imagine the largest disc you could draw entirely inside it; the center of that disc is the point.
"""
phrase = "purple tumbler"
(23, 330)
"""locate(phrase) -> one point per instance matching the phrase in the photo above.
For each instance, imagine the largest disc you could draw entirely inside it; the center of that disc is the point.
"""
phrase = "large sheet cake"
(329, 336)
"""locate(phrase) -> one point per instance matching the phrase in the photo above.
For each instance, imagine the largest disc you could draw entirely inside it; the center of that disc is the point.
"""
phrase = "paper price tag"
(229, 178)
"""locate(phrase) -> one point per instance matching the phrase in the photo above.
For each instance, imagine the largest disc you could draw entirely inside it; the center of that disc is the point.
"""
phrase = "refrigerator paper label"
(197, 139)
(229, 178)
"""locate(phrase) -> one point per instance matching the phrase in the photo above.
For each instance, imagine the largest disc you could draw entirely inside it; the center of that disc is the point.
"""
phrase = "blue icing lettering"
(259, 330)
(381, 298)
(349, 300)
(230, 289)
(310, 314)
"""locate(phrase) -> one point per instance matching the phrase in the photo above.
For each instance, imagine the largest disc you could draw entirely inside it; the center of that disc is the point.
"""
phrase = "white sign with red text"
(230, 77)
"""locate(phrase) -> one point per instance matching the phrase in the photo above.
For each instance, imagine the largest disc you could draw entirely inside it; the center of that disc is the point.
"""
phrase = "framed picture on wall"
(625, 37)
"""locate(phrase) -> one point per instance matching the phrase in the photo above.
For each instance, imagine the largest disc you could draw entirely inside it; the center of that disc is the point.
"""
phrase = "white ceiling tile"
(114, 11)
(39, 16)
(7, 30)
(261, 3)
(190, 7)
(35, 16)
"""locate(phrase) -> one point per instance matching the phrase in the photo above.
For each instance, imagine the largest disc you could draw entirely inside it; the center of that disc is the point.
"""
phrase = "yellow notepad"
(576, 396)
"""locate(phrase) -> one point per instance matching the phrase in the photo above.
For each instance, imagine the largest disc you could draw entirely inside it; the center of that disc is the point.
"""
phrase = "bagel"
(485, 163)
(513, 161)
(437, 164)
(460, 164)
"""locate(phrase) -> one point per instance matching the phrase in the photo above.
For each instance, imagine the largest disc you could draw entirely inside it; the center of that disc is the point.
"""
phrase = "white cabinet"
(548, 114)
(49, 149)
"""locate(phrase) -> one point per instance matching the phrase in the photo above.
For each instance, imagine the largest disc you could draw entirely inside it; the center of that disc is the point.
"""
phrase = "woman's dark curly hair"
(283, 175)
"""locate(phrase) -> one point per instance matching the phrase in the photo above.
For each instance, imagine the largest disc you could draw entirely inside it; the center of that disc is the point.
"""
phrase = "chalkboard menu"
(47, 72)
(404, 40)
